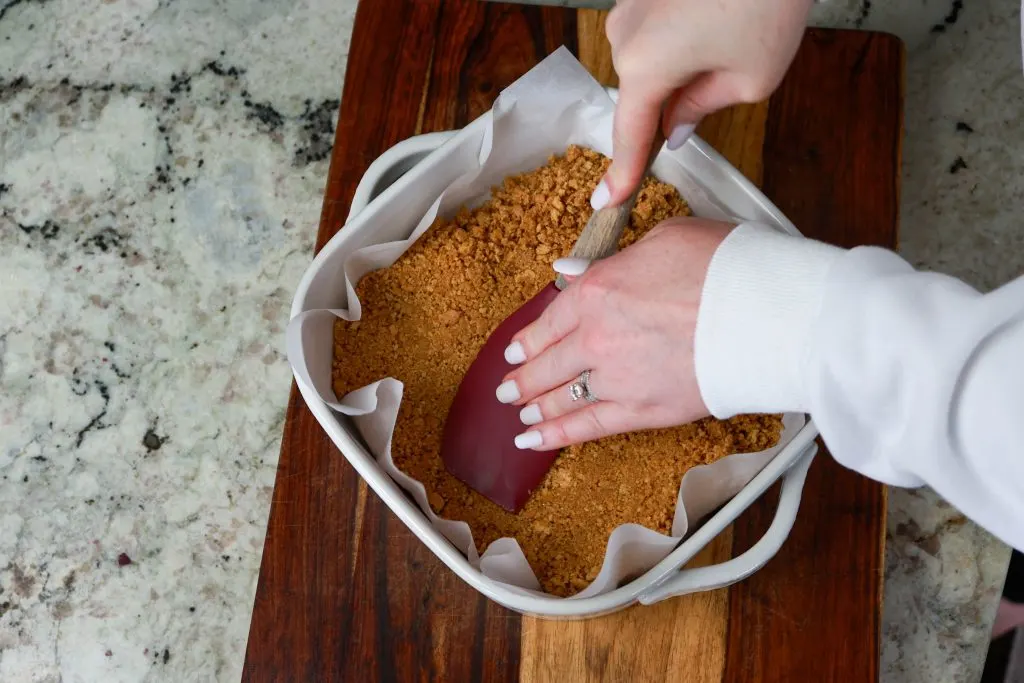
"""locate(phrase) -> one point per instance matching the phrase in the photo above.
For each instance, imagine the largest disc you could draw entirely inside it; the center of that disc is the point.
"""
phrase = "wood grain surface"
(347, 593)
(831, 164)
(682, 639)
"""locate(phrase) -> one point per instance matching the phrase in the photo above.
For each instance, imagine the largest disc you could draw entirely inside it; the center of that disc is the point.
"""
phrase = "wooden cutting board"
(347, 593)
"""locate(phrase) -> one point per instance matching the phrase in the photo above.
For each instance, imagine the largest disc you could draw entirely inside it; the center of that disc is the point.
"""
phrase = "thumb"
(638, 115)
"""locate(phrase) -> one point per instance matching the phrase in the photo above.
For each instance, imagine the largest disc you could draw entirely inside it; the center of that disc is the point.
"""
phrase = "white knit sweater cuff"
(761, 296)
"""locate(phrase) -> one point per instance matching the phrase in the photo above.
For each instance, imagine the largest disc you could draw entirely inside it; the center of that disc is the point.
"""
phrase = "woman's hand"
(629, 319)
(690, 58)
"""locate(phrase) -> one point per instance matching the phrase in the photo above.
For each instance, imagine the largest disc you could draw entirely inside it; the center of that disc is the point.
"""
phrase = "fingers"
(571, 267)
(701, 97)
(595, 421)
(557, 320)
(554, 366)
(679, 134)
(637, 116)
(557, 402)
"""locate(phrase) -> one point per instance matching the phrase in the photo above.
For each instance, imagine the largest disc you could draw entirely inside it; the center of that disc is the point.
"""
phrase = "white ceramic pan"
(423, 162)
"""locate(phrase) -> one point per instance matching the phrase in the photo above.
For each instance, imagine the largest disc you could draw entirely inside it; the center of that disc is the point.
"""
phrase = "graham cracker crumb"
(426, 317)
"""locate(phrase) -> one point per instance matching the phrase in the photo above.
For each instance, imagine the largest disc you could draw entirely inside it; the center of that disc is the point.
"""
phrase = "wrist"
(761, 296)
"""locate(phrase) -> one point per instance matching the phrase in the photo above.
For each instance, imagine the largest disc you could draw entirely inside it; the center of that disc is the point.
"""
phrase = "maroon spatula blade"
(478, 444)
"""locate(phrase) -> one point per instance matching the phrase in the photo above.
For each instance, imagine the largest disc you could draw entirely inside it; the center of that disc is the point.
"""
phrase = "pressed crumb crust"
(425, 318)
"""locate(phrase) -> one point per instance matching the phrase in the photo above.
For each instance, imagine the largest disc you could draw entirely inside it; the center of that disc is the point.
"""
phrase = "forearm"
(911, 377)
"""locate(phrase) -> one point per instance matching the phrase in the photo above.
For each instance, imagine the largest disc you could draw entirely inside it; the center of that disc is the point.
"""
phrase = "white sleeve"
(911, 377)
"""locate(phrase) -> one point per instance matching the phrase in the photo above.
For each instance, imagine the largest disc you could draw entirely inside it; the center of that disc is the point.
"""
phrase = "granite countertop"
(161, 172)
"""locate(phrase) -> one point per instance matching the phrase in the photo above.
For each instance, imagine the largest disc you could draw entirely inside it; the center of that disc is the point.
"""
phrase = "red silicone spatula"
(478, 443)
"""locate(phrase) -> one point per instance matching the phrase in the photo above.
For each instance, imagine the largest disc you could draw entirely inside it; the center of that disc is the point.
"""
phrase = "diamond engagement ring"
(581, 388)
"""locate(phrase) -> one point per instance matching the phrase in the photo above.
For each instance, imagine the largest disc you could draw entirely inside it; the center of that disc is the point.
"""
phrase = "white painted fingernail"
(514, 353)
(530, 439)
(508, 392)
(680, 134)
(572, 267)
(530, 415)
(601, 195)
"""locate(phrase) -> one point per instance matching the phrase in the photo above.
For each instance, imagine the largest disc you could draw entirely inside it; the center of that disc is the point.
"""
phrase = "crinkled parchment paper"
(554, 105)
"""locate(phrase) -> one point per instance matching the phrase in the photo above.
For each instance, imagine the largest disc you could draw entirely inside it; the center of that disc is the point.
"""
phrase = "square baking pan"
(417, 170)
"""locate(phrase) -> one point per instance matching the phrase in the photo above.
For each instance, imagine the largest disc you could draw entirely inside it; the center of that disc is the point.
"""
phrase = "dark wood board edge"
(391, 52)
(351, 601)
(297, 632)
(814, 612)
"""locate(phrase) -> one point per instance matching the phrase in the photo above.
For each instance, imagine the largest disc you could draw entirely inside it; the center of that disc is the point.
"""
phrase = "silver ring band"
(581, 388)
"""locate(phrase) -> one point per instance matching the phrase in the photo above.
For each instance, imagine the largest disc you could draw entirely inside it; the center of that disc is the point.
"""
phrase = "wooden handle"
(601, 235)
(600, 238)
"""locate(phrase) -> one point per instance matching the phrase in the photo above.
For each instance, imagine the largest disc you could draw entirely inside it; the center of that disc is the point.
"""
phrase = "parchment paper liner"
(554, 105)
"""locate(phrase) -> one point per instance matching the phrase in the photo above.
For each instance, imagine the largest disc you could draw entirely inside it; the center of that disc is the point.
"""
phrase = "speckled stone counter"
(161, 171)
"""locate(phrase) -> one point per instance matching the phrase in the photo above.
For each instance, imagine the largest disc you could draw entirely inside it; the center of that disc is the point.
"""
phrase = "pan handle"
(699, 579)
